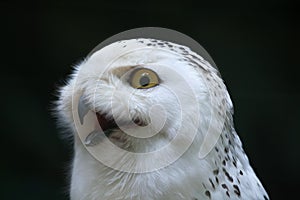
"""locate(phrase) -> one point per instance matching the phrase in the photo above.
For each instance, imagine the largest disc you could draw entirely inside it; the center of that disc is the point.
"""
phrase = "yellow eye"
(144, 78)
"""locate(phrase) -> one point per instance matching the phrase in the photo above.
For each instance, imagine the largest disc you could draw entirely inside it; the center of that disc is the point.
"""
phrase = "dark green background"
(255, 45)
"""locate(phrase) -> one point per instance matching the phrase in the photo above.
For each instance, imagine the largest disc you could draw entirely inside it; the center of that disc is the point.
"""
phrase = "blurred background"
(255, 45)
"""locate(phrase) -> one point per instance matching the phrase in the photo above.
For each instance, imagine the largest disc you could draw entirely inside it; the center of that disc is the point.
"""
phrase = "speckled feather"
(225, 173)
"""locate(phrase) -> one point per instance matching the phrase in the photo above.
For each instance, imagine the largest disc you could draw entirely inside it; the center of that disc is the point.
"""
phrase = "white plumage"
(205, 161)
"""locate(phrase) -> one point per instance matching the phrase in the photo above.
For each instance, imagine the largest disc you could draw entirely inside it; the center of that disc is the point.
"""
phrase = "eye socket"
(143, 78)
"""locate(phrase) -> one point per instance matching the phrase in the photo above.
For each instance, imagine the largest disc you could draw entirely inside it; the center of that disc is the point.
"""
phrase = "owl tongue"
(106, 123)
(96, 136)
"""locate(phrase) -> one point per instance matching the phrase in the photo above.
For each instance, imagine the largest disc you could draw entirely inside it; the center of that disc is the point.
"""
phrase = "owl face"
(146, 95)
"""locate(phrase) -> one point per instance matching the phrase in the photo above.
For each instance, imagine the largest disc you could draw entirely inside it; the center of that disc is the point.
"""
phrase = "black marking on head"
(196, 58)
(224, 186)
(241, 172)
(227, 175)
(234, 163)
(226, 148)
(207, 193)
(227, 193)
(224, 162)
(212, 184)
(216, 148)
(216, 171)
(184, 52)
(237, 190)
(217, 180)
(222, 139)
(228, 157)
(220, 157)
(194, 62)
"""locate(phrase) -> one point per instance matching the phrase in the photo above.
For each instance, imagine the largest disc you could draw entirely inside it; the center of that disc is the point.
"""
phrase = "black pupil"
(144, 81)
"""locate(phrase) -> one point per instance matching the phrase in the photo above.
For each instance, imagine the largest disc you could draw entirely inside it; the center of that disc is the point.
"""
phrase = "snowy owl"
(152, 119)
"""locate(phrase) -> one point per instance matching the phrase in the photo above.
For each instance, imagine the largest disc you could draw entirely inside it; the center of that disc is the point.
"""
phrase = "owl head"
(145, 99)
